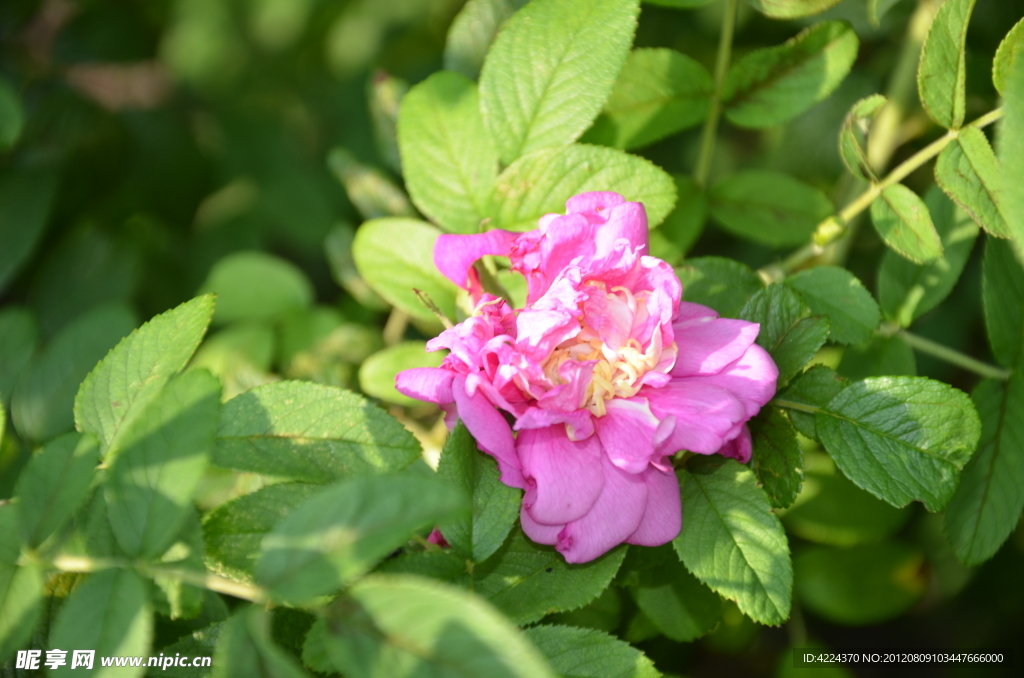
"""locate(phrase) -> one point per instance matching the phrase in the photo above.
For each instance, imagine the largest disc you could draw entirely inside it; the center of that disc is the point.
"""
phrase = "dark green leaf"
(201, 643)
(942, 72)
(309, 432)
(131, 375)
(495, 505)
(902, 219)
(877, 9)
(1003, 295)
(18, 336)
(723, 284)
(853, 135)
(770, 208)
(26, 197)
(880, 357)
(12, 115)
(157, 462)
(675, 602)
(814, 388)
(777, 458)
(681, 229)
(967, 170)
(21, 588)
(543, 81)
(788, 332)
(791, 9)
(732, 541)
(901, 438)
(588, 653)
(770, 86)
(1011, 153)
(256, 286)
(245, 649)
(836, 293)
(1007, 54)
(377, 373)
(604, 613)
(472, 32)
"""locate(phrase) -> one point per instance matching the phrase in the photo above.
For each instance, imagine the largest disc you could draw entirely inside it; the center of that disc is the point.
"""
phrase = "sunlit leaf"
(902, 219)
(835, 292)
(967, 170)
(942, 71)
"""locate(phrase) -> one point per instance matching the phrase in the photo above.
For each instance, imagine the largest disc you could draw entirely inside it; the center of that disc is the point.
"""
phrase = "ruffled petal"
(563, 478)
(752, 378)
(705, 415)
(628, 433)
(614, 517)
(594, 201)
(491, 431)
(627, 220)
(663, 517)
(431, 384)
(538, 532)
(706, 345)
(454, 255)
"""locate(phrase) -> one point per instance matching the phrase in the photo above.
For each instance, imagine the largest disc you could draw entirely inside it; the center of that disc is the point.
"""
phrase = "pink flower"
(605, 373)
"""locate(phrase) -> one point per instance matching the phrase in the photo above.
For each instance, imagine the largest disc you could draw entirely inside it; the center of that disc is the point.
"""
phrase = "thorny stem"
(707, 141)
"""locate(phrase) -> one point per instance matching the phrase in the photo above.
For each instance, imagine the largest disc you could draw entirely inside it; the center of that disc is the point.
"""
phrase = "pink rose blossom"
(605, 373)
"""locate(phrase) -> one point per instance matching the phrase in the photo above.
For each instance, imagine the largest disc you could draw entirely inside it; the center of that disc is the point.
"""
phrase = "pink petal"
(706, 345)
(454, 255)
(628, 433)
(491, 431)
(614, 517)
(627, 220)
(739, 448)
(663, 517)
(431, 384)
(563, 478)
(751, 378)
(705, 415)
(542, 534)
(595, 201)
(691, 311)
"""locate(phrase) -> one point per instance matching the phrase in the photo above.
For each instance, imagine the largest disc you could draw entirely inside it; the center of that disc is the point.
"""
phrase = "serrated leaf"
(907, 290)
(543, 81)
(138, 368)
(732, 541)
(1003, 296)
(791, 9)
(1010, 49)
(882, 356)
(233, 531)
(902, 220)
(400, 626)
(767, 207)
(1011, 153)
(722, 284)
(21, 588)
(448, 159)
(377, 373)
(813, 388)
(901, 438)
(588, 653)
(788, 332)
(53, 483)
(658, 92)
(109, 612)
(256, 286)
(542, 182)
(19, 335)
(201, 643)
(342, 531)
(310, 432)
(942, 71)
(988, 502)
(853, 136)
(26, 199)
(967, 170)
(472, 32)
(835, 292)
(777, 458)
(158, 461)
(245, 649)
(773, 85)
(43, 401)
(394, 256)
(675, 602)
(495, 505)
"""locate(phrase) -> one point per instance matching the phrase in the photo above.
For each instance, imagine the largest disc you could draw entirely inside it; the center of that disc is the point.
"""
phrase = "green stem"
(953, 357)
(707, 141)
(799, 407)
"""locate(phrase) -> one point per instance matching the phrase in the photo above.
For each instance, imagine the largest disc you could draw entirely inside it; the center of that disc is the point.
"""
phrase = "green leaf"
(835, 292)
(158, 461)
(1002, 284)
(588, 653)
(777, 458)
(988, 502)
(675, 602)
(791, 9)
(901, 438)
(1010, 49)
(788, 332)
(309, 432)
(12, 115)
(860, 585)
(832, 510)
(882, 356)
(769, 208)
(495, 505)
(26, 198)
(245, 649)
(256, 286)
(472, 32)
(680, 4)
(448, 159)
(405, 626)
(43, 401)
(1011, 153)
(21, 588)
(722, 284)
(377, 373)
(732, 541)
(201, 643)
(877, 9)
(542, 182)
(370, 190)
(942, 71)
(550, 69)
(604, 613)
(659, 92)
(137, 369)
(967, 170)
(19, 335)
(344, 530)
(814, 388)
(773, 85)
(394, 256)
(906, 290)
(53, 483)
(233, 531)
(902, 220)
(681, 229)
(853, 136)
(109, 612)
